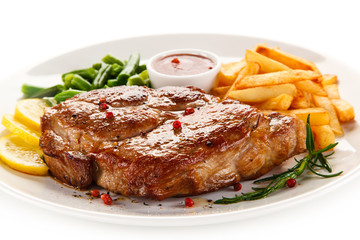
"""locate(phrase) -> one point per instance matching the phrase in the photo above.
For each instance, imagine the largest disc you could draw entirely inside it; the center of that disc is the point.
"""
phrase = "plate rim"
(188, 219)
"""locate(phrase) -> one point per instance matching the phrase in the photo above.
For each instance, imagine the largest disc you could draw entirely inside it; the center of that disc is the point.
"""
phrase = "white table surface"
(34, 31)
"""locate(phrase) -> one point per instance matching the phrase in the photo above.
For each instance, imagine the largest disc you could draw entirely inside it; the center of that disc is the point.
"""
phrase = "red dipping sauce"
(183, 64)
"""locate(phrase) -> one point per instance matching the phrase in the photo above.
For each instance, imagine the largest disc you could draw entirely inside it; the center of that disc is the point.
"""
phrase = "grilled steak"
(138, 152)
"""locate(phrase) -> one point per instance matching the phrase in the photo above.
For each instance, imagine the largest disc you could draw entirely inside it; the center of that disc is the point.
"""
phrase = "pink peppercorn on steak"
(125, 140)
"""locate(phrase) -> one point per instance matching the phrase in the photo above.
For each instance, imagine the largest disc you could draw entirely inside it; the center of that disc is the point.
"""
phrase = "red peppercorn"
(106, 198)
(109, 115)
(237, 186)
(189, 202)
(291, 182)
(175, 60)
(102, 99)
(189, 111)
(103, 106)
(177, 124)
(95, 193)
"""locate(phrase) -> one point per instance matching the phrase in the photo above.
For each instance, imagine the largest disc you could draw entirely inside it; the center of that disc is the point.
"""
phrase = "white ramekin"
(203, 80)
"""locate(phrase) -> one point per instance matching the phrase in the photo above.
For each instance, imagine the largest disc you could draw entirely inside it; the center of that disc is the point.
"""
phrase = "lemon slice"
(22, 156)
(29, 111)
(27, 134)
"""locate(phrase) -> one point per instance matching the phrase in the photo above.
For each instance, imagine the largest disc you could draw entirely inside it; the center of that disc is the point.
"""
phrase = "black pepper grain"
(209, 144)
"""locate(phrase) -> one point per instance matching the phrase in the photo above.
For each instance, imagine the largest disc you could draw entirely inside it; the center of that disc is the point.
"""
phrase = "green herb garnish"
(314, 159)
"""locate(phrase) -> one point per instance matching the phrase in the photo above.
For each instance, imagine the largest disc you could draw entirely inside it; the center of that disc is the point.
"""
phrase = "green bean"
(109, 72)
(80, 83)
(122, 79)
(112, 82)
(30, 91)
(97, 66)
(145, 77)
(67, 80)
(60, 97)
(111, 60)
(115, 70)
(87, 73)
(141, 68)
(50, 101)
(135, 80)
(129, 69)
(102, 77)
(148, 83)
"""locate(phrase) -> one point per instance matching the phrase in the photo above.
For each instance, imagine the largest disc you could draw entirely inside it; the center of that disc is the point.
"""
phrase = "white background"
(34, 31)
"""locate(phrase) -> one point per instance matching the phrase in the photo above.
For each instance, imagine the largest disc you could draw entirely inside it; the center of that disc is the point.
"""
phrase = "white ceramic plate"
(46, 192)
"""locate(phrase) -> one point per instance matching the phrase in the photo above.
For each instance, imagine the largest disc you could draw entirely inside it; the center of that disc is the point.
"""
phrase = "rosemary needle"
(278, 181)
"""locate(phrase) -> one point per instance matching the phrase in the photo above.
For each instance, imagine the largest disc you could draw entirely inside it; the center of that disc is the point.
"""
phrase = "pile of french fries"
(273, 80)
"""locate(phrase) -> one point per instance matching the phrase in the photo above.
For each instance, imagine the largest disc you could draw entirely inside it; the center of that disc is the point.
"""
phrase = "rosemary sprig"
(278, 181)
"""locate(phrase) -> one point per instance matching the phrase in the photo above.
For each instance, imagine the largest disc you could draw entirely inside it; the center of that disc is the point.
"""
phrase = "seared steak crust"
(138, 152)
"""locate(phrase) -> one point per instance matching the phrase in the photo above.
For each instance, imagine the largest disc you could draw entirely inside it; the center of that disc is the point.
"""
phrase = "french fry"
(311, 87)
(325, 103)
(318, 116)
(301, 100)
(220, 91)
(281, 102)
(267, 65)
(274, 78)
(332, 91)
(328, 79)
(323, 136)
(229, 72)
(250, 69)
(260, 94)
(344, 110)
(292, 61)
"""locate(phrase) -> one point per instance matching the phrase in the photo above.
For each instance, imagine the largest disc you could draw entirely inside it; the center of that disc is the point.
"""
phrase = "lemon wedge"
(26, 133)
(29, 111)
(21, 156)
